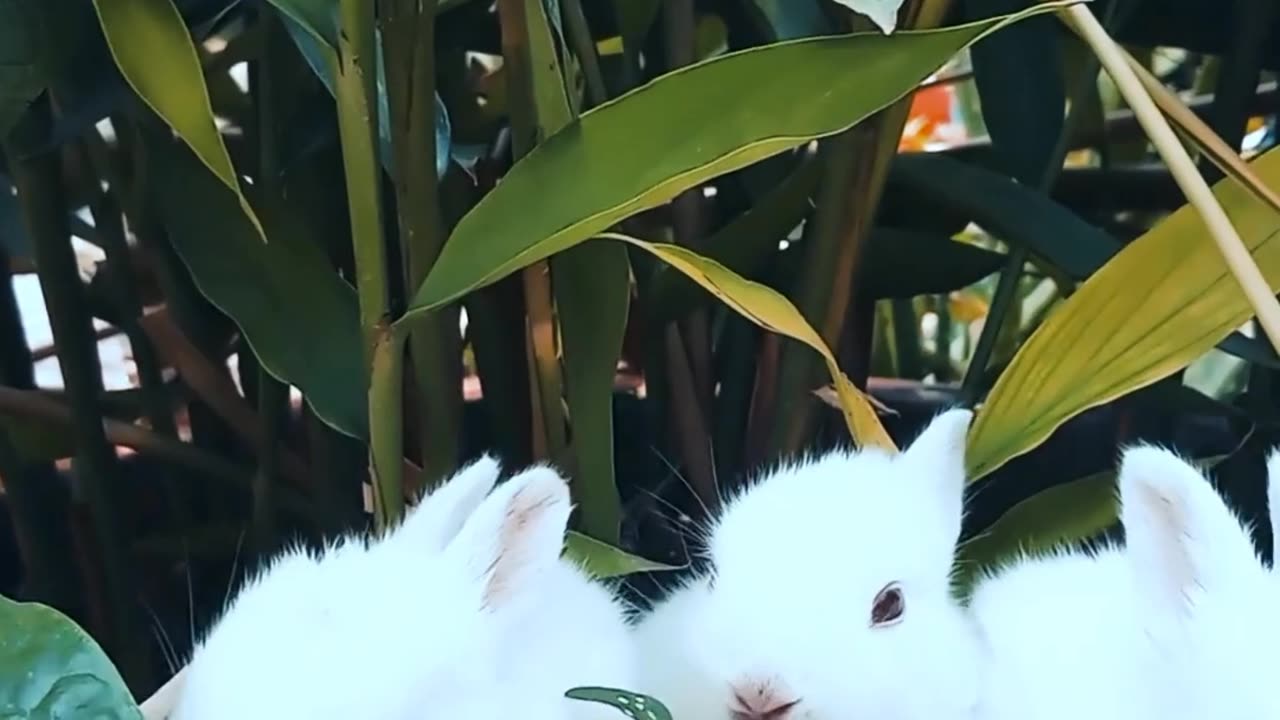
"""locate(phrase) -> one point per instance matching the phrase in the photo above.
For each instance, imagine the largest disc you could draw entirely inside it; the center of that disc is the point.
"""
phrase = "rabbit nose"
(761, 701)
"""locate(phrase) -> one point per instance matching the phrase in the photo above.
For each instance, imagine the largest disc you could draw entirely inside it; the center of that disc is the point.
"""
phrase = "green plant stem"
(42, 197)
(357, 126)
(546, 382)
(435, 348)
(584, 46)
(273, 411)
(386, 428)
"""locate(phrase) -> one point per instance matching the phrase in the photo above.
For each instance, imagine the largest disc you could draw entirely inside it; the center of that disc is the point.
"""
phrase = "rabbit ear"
(1273, 502)
(517, 533)
(440, 514)
(1181, 536)
(937, 459)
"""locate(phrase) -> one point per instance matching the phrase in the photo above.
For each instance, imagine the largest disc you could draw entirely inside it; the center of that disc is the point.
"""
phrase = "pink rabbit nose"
(761, 701)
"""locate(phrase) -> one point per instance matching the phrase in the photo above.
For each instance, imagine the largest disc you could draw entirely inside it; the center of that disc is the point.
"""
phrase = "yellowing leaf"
(155, 54)
(770, 310)
(1156, 306)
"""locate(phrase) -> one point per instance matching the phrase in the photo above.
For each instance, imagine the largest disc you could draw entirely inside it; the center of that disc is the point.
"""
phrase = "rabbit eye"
(888, 606)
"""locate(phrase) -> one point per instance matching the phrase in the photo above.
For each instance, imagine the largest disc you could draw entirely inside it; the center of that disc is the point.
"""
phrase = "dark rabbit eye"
(888, 606)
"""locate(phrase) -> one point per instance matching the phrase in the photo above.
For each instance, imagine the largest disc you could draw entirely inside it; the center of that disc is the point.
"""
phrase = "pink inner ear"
(518, 543)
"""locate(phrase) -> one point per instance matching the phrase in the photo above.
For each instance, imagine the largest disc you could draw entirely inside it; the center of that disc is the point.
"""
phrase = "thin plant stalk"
(435, 346)
(41, 194)
(1183, 169)
(357, 123)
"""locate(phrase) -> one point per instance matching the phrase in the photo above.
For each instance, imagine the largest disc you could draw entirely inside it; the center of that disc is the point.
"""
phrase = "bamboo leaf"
(772, 311)
(50, 668)
(1160, 303)
(606, 561)
(634, 153)
(299, 317)
(155, 54)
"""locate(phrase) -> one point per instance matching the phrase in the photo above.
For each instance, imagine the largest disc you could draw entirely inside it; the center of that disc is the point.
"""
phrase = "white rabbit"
(464, 611)
(1214, 599)
(1157, 629)
(829, 595)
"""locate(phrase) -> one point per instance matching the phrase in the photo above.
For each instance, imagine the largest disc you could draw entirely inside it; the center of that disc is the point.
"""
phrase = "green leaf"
(605, 561)
(634, 153)
(21, 74)
(906, 263)
(1012, 212)
(592, 285)
(1021, 215)
(319, 18)
(299, 317)
(1064, 513)
(155, 54)
(745, 245)
(1018, 77)
(50, 669)
(1071, 512)
(632, 705)
(1160, 303)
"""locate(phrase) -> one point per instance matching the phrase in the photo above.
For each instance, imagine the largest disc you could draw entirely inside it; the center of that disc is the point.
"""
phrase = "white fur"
(1174, 626)
(798, 559)
(464, 611)
(1206, 584)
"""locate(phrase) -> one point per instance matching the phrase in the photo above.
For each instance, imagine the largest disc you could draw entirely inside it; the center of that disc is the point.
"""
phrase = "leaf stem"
(1183, 169)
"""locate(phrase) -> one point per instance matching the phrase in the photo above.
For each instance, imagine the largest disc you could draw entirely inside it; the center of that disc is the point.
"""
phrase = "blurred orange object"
(930, 109)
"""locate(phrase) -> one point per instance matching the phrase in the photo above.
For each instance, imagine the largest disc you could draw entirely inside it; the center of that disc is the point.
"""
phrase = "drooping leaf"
(605, 561)
(319, 18)
(155, 54)
(772, 311)
(1160, 303)
(592, 285)
(299, 317)
(629, 704)
(50, 669)
(634, 153)
(1022, 100)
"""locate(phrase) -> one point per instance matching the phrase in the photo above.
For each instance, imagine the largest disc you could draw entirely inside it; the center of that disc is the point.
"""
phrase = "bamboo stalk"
(357, 126)
(435, 348)
(1183, 169)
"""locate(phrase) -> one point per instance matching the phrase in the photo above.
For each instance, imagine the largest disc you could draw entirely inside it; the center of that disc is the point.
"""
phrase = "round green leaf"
(50, 669)
(632, 705)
